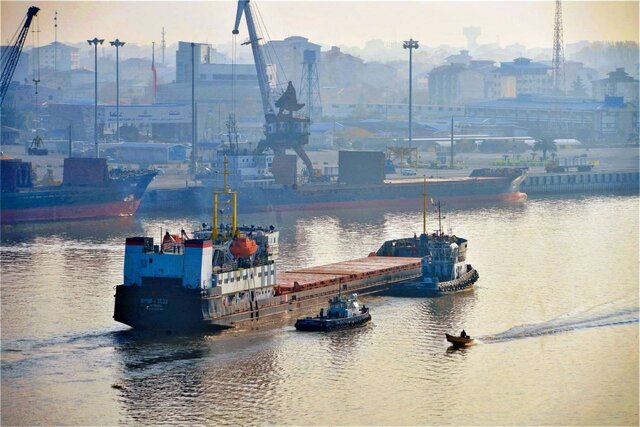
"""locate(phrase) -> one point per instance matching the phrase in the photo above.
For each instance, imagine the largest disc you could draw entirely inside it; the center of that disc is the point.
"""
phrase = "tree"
(577, 88)
(545, 145)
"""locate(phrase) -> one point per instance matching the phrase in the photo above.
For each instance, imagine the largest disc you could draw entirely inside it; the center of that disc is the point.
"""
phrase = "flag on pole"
(153, 70)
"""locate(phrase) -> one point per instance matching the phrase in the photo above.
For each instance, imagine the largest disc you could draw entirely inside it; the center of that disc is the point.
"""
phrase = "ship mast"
(229, 198)
(424, 206)
(439, 219)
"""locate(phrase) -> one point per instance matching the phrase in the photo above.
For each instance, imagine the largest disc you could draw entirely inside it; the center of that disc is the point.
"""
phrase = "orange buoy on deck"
(243, 247)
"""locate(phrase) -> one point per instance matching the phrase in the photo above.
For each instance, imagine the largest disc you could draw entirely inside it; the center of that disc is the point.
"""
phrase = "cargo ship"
(263, 195)
(224, 275)
(88, 191)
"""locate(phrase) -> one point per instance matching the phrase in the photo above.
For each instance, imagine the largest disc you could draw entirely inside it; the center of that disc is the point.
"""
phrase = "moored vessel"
(263, 195)
(343, 312)
(88, 191)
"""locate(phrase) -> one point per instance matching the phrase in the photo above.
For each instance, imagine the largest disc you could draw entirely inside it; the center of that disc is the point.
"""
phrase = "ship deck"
(343, 272)
(432, 180)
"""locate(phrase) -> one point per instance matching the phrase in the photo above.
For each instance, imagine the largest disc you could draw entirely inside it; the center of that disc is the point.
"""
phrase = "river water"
(555, 311)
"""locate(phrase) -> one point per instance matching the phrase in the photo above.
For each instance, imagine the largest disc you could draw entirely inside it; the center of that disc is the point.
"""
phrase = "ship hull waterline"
(182, 310)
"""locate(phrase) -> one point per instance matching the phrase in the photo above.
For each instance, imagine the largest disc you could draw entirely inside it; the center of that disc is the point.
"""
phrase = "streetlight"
(117, 43)
(95, 43)
(410, 44)
(194, 128)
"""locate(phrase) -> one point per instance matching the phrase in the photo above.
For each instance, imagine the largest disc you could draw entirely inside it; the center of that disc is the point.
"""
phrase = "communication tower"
(163, 44)
(55, 43)
(310, 85)
(557, 63)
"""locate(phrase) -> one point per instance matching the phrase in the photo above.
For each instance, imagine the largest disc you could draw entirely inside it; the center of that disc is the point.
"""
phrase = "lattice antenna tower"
(55, 43)
(310, 85)
(557, 63)
(163, 45)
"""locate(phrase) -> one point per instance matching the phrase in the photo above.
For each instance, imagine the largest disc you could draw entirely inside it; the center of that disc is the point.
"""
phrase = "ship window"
(231, 280)
(150, 260)
(259, 273)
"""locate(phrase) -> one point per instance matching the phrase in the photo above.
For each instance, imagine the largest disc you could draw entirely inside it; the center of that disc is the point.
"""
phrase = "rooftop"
(523, 64)
(542, 103)
(619, 75)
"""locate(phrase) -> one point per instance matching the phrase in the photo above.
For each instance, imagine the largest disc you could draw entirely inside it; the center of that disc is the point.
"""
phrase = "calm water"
(556, 311)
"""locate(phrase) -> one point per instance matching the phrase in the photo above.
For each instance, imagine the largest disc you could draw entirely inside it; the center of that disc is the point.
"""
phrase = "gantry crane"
(12, 52)
(282, 128)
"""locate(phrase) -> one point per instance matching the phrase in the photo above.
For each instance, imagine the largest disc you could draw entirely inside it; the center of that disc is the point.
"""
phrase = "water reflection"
(79, 231)
(448, 312)
(62, 352)
(195, 379)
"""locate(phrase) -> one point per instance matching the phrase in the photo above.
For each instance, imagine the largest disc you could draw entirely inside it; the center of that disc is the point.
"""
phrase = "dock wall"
(581, 182)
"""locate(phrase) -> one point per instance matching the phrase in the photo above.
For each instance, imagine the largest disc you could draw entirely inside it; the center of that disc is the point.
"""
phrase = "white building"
(57, 56)
(618, 83)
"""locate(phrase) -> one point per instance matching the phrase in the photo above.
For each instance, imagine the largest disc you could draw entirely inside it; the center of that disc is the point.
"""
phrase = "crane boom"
(10, 58)
(283, 129)
(261, 66)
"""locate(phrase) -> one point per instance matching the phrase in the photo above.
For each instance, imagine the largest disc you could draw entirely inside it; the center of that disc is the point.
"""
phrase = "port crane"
(12, 52)
(283, 129)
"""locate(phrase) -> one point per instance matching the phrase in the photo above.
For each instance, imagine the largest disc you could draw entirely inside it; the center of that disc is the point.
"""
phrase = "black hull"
(326, 325)
(460, 191)
(164, 308)
(420, 290)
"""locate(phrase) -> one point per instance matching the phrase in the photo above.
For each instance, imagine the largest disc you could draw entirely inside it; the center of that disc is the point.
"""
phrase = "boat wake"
(595, 317)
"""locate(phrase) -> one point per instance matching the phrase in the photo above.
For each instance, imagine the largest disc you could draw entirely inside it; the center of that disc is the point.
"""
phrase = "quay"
(581, 182)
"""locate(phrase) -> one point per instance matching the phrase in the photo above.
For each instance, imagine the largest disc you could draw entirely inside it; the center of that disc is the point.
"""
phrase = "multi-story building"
(618, 83)
(288, 58)
(339, 69)
(455, 84)
(204, 60)
(531, 77)
(465, 79)
(578, 78)
(221, 88)
(57, 56)
(564, 117)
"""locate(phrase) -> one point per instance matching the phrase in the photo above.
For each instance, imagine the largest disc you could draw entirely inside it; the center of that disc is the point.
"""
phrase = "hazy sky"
(331, 22)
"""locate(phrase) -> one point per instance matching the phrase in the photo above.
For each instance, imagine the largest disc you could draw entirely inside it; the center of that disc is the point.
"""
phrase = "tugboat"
(342, 313)
(443, 261)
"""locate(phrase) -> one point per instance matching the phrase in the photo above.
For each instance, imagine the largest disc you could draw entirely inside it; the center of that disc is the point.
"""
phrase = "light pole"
(194, 129)
(95, 42)
(117, 43)
(410, 44)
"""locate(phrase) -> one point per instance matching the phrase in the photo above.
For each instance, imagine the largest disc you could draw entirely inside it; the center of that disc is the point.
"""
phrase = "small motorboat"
(459, 341)
(342, 313)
